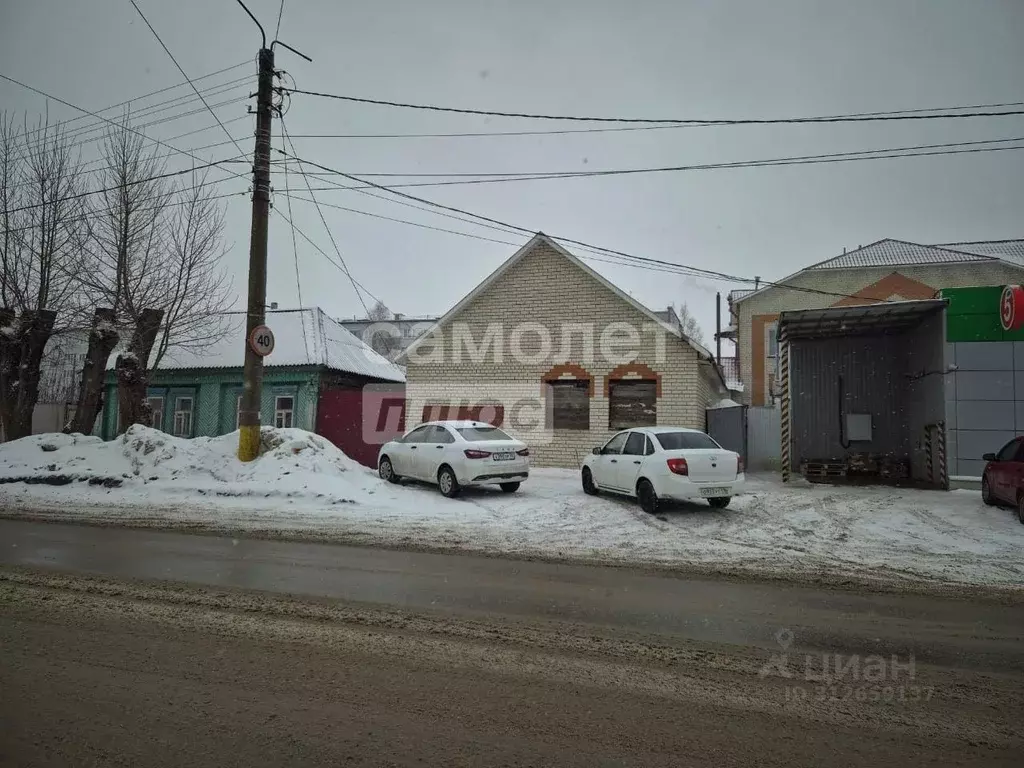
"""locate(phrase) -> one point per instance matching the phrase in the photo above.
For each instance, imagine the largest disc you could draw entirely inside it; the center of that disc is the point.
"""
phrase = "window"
(569, 404)
(772, 339)
(156, 412)
(482, 433)
(648, 446)
(183, 408)
(419, 435)
(1008, 451)
(284, 411)
(634, 444)
(676, 441)
(632, 404)
(616, 443)
(437, 434)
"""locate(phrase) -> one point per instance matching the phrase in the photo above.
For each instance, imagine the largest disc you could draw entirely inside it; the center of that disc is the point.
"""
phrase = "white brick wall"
(850, 281)
(546, 288)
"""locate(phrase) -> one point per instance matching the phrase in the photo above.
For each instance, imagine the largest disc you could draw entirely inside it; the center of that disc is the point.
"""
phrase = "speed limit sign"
(261, 340)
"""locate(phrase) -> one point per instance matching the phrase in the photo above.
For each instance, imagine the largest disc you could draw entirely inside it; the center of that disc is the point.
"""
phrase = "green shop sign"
(985, 313)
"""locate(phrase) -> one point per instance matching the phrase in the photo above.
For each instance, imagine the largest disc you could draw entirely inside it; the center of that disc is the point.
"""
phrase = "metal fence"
(764, 438)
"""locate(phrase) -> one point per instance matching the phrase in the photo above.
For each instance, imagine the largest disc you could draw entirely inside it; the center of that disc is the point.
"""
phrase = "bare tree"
(383, 339)
(41, 217)
(155, 252)
(689, 324)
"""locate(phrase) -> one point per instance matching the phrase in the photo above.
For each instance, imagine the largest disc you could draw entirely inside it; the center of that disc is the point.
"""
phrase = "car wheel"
(509, 487)
(387, 471)
(720, 502)
(447, 482)
(648, 498)
(589, 486)
(1020, 508)
(986, 491)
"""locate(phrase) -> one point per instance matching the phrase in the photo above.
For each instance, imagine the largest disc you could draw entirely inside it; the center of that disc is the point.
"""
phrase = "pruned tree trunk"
(10, 355)
(103, 338)
(133, 371)
(20, 357)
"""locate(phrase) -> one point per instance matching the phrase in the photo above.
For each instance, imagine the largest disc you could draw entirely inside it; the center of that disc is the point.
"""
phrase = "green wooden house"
(198, 393)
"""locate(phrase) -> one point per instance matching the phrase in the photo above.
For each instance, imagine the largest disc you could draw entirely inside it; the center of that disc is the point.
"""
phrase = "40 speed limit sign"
(261, 340)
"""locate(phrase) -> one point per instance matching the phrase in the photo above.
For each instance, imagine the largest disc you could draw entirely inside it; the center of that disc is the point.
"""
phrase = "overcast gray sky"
(686, 59)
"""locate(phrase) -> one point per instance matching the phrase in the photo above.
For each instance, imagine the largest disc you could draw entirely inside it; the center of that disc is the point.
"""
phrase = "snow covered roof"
(1007, 250)
(897, 253)
(301, 337)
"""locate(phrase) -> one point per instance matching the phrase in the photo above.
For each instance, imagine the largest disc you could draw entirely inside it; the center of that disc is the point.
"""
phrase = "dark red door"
(360, 421)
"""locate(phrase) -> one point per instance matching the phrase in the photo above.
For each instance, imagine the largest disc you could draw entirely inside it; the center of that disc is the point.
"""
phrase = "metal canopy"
(869, 319)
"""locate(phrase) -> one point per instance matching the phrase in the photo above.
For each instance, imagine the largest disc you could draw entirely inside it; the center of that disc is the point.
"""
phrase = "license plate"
(712, 492)
(504, 456)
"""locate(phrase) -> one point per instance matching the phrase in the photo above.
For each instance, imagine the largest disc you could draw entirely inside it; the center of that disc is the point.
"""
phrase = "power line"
(295, 247)
(694, 270)
(839, 157)
(280, 13)
(284, 132)
(133, 183)
(851, 118)
(176, 64)
(157, 92)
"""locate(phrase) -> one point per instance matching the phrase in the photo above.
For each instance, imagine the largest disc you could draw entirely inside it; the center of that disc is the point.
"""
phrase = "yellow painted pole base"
(248, 442)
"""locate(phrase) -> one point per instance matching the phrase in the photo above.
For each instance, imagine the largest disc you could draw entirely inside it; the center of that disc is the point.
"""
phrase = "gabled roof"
(1007, 250)
(302, 337)
(540, 237)
(897, 253)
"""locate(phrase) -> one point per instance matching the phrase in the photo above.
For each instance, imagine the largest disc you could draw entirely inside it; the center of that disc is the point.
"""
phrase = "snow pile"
(302, 485)
(148, 461)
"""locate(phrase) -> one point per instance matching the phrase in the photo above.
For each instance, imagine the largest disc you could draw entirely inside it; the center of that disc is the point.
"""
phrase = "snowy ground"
(303, 486)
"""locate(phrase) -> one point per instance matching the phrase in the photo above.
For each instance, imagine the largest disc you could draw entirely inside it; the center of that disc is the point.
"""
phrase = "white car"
(455, 454)
(655, 463)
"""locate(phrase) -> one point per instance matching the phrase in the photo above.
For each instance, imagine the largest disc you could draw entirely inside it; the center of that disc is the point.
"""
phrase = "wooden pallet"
(824, 470)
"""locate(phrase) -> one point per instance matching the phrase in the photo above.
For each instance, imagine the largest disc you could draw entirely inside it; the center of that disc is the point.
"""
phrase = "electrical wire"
(695, 271)
(295, 246)
(850, 118)
(280, 13)
(309, 187)
(176, 64)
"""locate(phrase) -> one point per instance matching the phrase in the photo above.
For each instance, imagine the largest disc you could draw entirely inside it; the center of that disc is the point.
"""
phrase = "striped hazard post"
(929, 469)
(940, 451)
(784, 375)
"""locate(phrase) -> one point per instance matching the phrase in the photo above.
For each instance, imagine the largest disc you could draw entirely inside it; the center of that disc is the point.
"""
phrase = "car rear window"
(678, 441)
(482, 433)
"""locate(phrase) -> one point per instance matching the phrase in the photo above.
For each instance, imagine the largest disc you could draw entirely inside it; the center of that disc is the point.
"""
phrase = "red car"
(1003, 479)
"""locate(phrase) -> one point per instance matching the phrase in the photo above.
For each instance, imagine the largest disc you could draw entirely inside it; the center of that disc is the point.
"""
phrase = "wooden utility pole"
(252, 392)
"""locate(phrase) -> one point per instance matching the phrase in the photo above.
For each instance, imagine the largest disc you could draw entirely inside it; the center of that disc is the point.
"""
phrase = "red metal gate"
(360, 421)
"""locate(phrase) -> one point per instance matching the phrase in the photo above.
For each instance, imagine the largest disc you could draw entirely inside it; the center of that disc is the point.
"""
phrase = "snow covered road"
(303, 487)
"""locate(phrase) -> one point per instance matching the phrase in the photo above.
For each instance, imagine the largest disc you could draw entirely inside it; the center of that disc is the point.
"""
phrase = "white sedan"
(454, 454)
(655, 463)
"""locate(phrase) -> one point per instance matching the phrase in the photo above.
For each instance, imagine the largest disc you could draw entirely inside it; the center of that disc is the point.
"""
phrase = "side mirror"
(596, 451)
(989, 457)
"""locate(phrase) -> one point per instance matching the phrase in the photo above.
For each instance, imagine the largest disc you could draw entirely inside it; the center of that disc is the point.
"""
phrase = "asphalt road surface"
(138, 647)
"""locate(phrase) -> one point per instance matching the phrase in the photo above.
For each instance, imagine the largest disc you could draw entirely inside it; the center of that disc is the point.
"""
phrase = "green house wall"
(973, 315)
(215, 395)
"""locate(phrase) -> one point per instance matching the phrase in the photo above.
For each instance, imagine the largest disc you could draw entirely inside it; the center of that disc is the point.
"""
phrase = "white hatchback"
(655, 463)
(454, 454)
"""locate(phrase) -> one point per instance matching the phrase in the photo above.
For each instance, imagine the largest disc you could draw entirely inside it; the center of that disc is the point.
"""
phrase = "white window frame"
(281, 413)
(180, 413)
(238, 411)
(154, 411)
(768, 330)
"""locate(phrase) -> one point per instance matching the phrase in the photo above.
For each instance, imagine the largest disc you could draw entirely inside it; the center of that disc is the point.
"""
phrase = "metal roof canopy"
(868, 319)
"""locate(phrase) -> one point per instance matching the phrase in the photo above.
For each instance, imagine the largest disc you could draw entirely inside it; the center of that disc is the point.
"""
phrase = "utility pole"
(252, 392)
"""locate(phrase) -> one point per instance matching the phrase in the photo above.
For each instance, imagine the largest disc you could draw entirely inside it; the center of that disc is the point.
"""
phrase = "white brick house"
(558, 356)
(885, 270)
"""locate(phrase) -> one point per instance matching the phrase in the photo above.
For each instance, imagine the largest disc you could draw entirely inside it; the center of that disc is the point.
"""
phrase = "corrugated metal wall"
(925, 368)
(763, 437)
(873, 376)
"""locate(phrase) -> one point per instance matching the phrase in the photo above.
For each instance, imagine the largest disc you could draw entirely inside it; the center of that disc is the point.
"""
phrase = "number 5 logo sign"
(1011, 308)
(261, 340)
